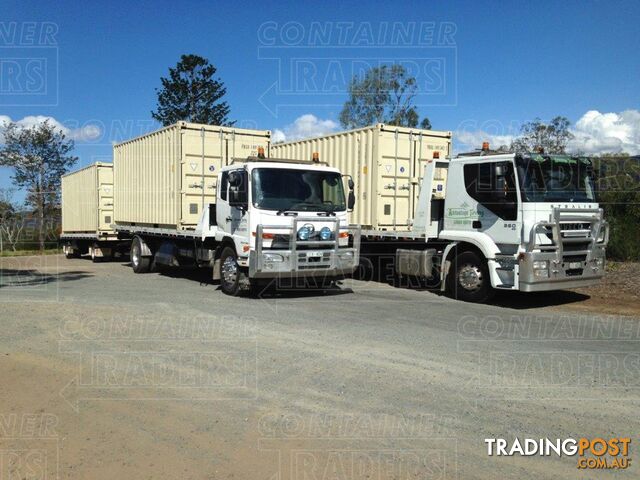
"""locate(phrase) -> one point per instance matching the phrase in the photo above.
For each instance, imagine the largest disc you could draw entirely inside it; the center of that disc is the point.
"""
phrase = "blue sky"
(484, 67)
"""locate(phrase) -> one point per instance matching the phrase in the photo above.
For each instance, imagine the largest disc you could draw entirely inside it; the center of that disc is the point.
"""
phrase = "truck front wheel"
(139, 263)
(230, 272)
(468, 278)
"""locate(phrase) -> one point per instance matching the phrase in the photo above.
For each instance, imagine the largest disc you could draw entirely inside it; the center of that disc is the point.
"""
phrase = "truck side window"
(493, 186)
(224, 184)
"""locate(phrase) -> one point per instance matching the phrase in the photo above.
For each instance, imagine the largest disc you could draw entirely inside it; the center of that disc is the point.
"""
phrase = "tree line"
(39, 155)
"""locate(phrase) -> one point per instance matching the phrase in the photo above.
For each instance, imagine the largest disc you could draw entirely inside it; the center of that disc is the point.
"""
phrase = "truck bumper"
(540, 271)
(302, 263)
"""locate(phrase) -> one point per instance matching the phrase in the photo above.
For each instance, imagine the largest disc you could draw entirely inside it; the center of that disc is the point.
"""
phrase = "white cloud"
(597, 132)
(305, 126)
(594, 133)
(85, 133)
(472, 140)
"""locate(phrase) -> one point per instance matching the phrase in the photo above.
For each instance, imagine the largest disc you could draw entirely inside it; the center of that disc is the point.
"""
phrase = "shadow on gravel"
(201, 275)
(521, 301)
(31, 278)
(204, 277)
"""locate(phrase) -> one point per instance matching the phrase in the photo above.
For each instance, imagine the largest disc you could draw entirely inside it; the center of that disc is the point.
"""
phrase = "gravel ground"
(107, 374)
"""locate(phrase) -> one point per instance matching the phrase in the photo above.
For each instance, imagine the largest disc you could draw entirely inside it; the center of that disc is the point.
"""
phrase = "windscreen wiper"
(287, 213)
(328, 213)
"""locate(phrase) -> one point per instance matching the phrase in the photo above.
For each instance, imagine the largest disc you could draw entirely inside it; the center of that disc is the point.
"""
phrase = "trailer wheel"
(468, 280)
(230, 272)
(94, 257)
(139, 263)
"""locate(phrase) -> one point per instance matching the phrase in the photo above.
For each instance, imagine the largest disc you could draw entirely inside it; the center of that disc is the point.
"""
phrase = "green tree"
(192, 93)
(39, 155)
(383, 95)
(552, 137)
(618, 186)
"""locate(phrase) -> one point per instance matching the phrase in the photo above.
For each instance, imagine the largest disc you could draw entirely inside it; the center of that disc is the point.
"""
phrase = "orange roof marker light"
(315, 157)
(485, 146)
(260, 152)
(436, 155)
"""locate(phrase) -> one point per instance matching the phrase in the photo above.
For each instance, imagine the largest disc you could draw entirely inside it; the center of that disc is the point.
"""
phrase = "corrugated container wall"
(87, 200)
(165, 178)
(386, 163)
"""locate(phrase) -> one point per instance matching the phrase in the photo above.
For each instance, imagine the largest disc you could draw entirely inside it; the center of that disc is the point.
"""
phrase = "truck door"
(232, 211)
(491, 203)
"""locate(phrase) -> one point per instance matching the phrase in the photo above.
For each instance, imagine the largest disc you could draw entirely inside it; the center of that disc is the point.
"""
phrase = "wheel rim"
(470, 277)
(229, 271)
(135, 255)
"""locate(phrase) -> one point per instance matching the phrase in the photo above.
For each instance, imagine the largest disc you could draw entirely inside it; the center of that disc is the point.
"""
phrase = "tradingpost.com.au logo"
(595, 453)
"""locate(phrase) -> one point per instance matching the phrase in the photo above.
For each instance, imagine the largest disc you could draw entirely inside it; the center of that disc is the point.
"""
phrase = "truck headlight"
(303, 233)
(541, 269)
(273, 257)
(540, 265)
(325, 233)
(346, 257)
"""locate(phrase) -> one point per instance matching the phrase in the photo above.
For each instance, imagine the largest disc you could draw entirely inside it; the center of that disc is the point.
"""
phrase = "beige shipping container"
(87, 201)
(386, 163)
(166, 177)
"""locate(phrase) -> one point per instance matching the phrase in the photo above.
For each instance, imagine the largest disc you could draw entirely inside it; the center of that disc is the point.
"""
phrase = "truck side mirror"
(238, 195)
(351, 200)
(351, 184)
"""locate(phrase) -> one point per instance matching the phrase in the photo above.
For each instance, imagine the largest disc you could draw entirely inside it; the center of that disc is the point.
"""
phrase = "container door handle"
(229, 218)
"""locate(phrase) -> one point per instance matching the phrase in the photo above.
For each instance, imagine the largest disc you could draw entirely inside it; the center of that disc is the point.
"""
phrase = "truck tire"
(72, 254)
(468, 278)
(94, 257)
(230, 272)
(139, 263)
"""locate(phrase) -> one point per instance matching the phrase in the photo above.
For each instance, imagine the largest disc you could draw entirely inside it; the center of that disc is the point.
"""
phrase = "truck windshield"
(298, 190)
(555, 178)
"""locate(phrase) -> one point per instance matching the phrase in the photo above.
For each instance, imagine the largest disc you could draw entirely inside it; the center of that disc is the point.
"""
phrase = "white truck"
(527, 222)
(271, 219)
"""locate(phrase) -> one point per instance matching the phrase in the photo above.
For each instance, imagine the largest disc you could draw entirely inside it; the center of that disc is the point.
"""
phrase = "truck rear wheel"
(468, 278)
(139, 263)
(231, 275)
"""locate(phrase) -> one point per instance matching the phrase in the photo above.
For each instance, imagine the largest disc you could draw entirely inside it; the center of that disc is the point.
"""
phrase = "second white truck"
(527, 222)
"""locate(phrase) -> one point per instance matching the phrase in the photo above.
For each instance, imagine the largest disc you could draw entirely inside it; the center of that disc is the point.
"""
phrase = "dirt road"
(107, 374)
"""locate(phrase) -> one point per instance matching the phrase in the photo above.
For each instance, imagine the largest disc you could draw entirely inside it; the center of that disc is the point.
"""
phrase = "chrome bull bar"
(598, 229)
(327, 258)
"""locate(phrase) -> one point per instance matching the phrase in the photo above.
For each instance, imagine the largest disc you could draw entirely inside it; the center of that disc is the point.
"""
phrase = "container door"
(105, 198)
(394, 179)
(203, 154)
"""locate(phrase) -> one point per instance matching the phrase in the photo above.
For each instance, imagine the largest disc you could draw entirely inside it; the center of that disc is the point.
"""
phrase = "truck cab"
(279, 218)
(527, 222)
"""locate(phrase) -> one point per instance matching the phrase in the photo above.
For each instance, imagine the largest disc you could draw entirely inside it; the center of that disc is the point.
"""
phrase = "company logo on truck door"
(464, 211)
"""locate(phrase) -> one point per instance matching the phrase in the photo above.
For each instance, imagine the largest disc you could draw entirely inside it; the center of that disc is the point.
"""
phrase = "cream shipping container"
(470, 225)
(386, 163)
(208, 196)
(166, 178)
(87, 212)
